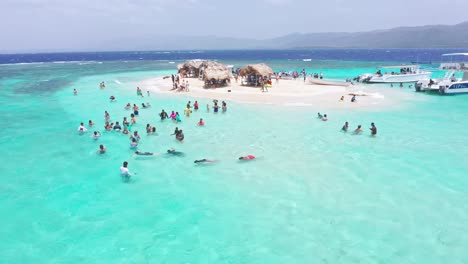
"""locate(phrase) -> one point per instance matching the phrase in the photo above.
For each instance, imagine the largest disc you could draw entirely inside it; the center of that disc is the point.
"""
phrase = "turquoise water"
(314, 195)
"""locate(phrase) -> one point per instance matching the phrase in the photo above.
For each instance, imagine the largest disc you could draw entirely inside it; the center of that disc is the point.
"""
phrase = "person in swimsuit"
(195, 105)
(134, 143)
(106, 116)
(201, 122)
(90, 123)
(358, 130)
(112, 98)
(224, 106)
(345, 127)
(187, 111)
(82, 128)
(204, 160)
(324, 118)
(176, 131)
(75, 92)
(124, 172)
(173, 115)
(101, 149)
(319, 115)
(353, 99)
(96, 135)
(128, 106)
(216, 107)
(163, 115)
(144, 153)
(248, 157)
(180, 136)
(135, 136)
(373, 129)
(177, 118)
(174, 152)
(117, 127)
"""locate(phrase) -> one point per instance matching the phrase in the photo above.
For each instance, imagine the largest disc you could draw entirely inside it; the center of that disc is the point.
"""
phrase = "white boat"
(397, 74)
(450, 84)
(317, 81)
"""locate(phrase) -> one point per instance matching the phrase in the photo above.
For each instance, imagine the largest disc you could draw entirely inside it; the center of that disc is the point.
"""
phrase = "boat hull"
(400, 78)
(327, 82)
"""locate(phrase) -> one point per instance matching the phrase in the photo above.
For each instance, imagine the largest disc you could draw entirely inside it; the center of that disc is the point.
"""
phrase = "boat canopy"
(401, 66)
(455, 54)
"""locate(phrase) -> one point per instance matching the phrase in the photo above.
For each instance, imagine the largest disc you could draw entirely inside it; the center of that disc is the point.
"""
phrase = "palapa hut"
(252, 73)
(215, 74)
(190, 68)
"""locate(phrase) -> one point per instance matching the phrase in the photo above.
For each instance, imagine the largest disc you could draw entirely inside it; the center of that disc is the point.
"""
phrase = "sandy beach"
(285, 92)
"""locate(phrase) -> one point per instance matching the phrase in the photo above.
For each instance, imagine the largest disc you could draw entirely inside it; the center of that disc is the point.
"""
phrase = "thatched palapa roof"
(215, 70)
(256, 69)
(191, 65)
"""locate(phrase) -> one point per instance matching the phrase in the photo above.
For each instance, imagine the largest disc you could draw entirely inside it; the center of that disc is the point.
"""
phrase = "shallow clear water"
(314, 195)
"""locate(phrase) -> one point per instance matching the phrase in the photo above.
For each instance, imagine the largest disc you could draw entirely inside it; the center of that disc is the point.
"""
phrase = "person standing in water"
(101, 149)
(195, 106)
(373, 129)
(201, 122)
(358, 130)
(124, 172)
(224, 106)
(163, 115)
(345, 127)
(75, 92)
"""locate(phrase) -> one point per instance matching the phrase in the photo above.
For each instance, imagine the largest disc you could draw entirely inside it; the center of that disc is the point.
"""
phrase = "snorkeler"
(248, 157)
(144, 153)
(204, 160)
(174, 152)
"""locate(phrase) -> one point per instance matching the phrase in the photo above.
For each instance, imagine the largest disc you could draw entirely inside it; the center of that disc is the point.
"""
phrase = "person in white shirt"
(82, 128)
(124, 172)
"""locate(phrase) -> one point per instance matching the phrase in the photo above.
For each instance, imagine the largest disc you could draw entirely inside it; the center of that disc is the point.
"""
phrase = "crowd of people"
(125, 127)
(345, 128)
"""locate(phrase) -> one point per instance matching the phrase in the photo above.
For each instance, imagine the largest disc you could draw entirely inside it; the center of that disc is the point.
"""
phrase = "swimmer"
(132, 119)
(353, 99)
(180, 135)
(75, 92)
(112, 98)
(172, 151)
(345, 127)
(204, 160)
(90, 123)
(144, 106)
(149, 128)
(128, 106)
(319, 115)
(187, 111)
(173, 115)
(124, 172)
(163, 115)
(224, 106)
(82, 128)
(144, 153)
(201, 122)
(101, 149)
(134, 143)
(135, 136)
(324, 118)
(373, 129)
(358, 130)
(96, 135)
(117, 127)
(248, 157)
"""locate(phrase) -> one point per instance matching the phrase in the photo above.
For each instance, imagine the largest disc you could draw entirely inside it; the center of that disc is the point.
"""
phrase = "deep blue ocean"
(397, 55)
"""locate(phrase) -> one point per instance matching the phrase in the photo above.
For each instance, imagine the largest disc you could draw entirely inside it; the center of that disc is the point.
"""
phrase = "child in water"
(201, 122)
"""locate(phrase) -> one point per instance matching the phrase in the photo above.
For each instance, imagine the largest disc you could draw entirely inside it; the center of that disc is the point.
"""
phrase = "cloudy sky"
(87, 24)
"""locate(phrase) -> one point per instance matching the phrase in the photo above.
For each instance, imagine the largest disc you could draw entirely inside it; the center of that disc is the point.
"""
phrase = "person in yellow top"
(188, 111)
